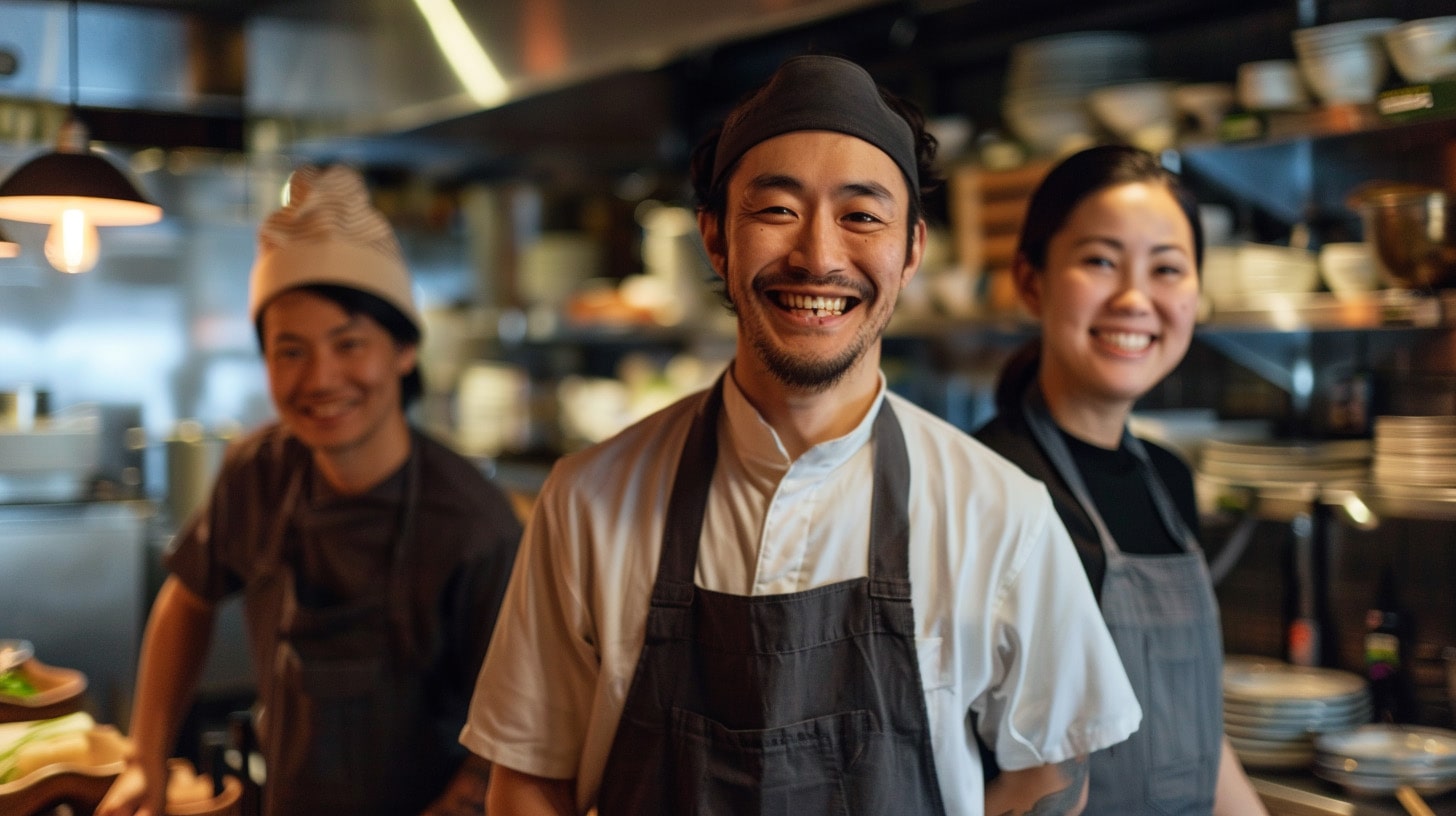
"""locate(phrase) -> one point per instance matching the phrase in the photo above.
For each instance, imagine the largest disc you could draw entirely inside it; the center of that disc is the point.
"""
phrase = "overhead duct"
(385, 66)
(144, 75)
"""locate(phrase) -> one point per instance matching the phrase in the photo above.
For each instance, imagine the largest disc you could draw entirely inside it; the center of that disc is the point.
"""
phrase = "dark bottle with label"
(1387, 641)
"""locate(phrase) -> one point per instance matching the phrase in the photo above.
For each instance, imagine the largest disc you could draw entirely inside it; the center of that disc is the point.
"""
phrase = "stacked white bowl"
(1424, 50)
(1141, 113)
(1271, 85)
(1049, 77)
(1345, 62)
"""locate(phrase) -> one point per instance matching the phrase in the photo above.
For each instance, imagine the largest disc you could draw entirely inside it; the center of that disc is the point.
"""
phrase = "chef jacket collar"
(759, 448)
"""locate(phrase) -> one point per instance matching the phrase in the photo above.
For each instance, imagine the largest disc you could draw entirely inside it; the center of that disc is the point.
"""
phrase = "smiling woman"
(1108, 264)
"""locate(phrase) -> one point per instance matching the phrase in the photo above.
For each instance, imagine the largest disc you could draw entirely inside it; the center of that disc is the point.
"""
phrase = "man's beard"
(814, 376)
(807, 374)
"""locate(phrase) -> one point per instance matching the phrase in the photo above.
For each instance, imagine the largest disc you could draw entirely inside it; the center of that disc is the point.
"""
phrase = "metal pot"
(1413, 236)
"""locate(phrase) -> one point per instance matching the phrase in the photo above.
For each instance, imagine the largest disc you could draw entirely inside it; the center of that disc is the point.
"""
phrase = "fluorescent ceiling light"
(467, 58)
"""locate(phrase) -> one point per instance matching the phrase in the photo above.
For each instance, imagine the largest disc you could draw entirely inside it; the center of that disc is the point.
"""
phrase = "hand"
(131, 795)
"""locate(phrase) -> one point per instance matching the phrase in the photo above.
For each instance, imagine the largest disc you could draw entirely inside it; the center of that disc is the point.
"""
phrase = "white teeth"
(1126, 341)
(820, 306)
(328, 411)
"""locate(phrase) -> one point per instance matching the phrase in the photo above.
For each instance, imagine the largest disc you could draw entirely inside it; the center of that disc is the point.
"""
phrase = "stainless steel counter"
(71, 583)
(1301, 793)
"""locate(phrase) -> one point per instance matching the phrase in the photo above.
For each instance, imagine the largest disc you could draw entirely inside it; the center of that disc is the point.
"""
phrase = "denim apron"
(346, 728)
(777, 705)
(1163, 617)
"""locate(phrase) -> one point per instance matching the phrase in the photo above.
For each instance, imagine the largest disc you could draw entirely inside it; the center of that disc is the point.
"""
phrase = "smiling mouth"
(1125, 341)
(326, 411)
(813, 305)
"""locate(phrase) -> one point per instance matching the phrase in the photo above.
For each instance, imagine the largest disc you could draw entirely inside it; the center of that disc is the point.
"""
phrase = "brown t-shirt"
(464, 543)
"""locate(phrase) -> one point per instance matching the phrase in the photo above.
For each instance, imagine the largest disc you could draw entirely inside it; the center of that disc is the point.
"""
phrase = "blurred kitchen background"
(532, 156)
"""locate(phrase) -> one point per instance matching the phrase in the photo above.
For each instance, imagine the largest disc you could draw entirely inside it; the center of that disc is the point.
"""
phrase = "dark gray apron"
(347, 728)
(803, 703)
(1163, 617)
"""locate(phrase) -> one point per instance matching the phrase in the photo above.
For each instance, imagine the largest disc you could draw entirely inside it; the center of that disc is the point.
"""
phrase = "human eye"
(862, 217)
(286, 354)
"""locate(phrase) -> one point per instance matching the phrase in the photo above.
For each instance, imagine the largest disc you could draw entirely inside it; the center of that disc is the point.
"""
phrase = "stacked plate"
(1415, 451)
(1373, 760)
(1283, 462)
(1048, 77)
(1272, 711)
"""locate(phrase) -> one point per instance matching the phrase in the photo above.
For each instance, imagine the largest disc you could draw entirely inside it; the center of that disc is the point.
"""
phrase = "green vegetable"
(15, 684)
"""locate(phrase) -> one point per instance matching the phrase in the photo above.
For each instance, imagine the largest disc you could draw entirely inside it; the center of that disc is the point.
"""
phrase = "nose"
(819, 247)
(320, 373)
(1133, 295)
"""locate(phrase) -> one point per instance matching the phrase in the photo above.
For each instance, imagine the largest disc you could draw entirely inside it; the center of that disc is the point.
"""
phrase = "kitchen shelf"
(1358, 504)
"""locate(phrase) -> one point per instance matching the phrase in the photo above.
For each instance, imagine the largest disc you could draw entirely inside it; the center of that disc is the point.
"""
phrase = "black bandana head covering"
(818, 93)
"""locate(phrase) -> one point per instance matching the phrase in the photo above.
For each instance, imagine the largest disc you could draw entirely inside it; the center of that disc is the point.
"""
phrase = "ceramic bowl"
(1424, 50)
(58, 691)
(1133, 110)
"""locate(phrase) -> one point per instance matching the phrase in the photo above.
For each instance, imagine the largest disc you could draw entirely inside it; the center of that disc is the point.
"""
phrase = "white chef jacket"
(1005, 619)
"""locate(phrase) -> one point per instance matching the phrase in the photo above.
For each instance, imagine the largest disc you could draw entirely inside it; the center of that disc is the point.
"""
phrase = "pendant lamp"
(73, 178)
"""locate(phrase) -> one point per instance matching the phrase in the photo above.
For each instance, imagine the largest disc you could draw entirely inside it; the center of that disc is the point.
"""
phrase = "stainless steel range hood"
(290, 74)
(128, 58)
(384, 66)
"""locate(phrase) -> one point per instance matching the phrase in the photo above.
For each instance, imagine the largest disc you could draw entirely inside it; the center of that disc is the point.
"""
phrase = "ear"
(409, 357)
(1028, 285)
(713, 242)
(915, 255)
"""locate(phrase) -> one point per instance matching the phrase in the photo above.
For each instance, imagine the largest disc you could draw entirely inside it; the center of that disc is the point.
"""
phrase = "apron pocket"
(794, 770)
(1179, 780)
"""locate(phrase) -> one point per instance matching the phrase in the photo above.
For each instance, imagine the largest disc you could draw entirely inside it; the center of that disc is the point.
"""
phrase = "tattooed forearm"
(1065, 799)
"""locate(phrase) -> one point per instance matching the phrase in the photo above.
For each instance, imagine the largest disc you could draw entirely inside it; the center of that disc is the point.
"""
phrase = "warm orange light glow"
(72, 245)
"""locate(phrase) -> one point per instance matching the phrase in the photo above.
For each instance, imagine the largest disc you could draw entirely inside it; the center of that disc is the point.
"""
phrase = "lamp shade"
(48, 185)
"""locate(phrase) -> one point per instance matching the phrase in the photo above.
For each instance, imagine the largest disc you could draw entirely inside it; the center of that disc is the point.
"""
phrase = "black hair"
(713, 198)
(1090, 171)
(356, 302)
(1074, 179)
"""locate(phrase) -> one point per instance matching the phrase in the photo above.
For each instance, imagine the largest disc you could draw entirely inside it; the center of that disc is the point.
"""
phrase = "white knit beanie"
(329, 233)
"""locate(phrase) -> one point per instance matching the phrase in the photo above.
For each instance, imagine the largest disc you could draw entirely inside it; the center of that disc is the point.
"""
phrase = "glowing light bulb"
(72, 243)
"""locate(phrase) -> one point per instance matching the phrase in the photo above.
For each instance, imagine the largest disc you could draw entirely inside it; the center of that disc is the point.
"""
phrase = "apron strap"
(890, 509)
(1044, 429)
(889, 562)
(688, 502)
(400, 580)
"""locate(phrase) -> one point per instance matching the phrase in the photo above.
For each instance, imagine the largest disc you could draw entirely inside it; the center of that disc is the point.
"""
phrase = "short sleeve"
(533, 700)
(198, 554)
(1061, 690)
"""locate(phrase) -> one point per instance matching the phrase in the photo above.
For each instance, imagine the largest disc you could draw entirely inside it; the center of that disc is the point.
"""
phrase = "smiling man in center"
(797, 592)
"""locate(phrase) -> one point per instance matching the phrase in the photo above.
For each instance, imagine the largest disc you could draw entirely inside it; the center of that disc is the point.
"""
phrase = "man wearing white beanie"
(371, 559)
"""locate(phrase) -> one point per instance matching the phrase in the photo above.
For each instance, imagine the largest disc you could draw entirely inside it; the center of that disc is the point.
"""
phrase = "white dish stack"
(1282, 462)
(1415, 456)
(1374, 760)
(1272, 711)
(1048, 79)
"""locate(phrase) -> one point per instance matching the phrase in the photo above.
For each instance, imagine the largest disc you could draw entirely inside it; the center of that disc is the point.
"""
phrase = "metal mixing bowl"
(1413, 234)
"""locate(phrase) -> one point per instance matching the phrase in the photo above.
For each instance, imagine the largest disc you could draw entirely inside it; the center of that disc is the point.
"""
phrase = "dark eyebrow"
(351, 323)
(779, 181)
(775, 181)
(1116, 244)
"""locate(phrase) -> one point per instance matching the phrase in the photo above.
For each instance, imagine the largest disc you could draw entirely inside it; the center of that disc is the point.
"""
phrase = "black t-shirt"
(1116, 487)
